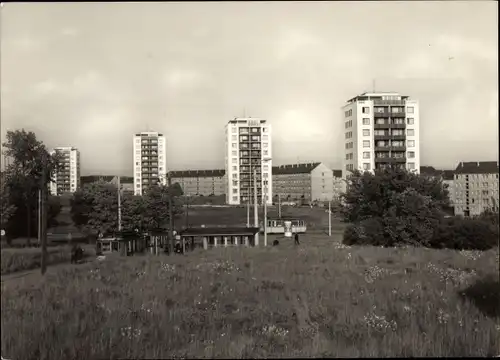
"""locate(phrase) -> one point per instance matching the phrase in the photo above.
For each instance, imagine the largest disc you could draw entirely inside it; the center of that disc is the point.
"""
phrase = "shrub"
(15, 260)
(366, 232)
(465, 234)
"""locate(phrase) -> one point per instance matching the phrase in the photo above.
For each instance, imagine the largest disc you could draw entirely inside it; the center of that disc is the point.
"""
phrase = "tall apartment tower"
(248, 147)
(67, 177)
(381, 130)
(150, 161)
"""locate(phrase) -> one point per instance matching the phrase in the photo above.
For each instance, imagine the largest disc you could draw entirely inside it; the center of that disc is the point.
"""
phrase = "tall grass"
(322, 299)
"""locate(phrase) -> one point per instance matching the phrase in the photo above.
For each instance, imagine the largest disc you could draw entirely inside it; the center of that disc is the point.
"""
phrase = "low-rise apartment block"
(200, 182)
(475, 187)
(303, 183)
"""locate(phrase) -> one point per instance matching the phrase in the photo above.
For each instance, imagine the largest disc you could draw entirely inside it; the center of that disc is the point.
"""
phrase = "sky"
(90, 75)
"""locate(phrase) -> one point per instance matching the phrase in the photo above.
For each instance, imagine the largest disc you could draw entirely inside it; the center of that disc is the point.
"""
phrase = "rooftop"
(477, 167)
(294, 168)
(377, 95)
(198, 173)
(220, 231)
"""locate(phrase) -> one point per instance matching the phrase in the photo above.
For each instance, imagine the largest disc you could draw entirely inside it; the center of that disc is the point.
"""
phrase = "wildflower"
(379, 323)
(129, 332)
(273, 330)
(338, 246)
(442, 317)
(471, 254)
(168, 267)
(373, 273)
(451, 275)
(144, 308)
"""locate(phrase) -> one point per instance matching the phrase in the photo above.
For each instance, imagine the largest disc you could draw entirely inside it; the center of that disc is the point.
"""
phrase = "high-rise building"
(150, 161)
(381, 130)
(67, 177)
(248, 148)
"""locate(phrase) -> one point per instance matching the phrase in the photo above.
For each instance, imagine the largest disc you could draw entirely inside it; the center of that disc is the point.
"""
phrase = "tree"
(94, 208)
(7, 209)
(392, 207)
(369, 195)
(30, 160)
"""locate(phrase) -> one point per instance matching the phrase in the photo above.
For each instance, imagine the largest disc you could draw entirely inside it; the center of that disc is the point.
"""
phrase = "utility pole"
(43, 217)
(119, 206)
(249, 196)
(255, 209)
(279, 206)
(40, 216)
(170, 215)
(329, 218)
(265, 215)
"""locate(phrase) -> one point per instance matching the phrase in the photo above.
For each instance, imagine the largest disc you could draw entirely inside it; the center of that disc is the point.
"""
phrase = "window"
(366, 143)
(411, 166)
(234, 153)
(264, 130)
(235, 190)
(138, 163)
(265, 137)
(366, 154)
(410, 132)
(411, 121)
(235, 160)
(347, 156)
(234, 145)
(411, 143)
(234, 129)
(234, 137)
(366, 132)
(235, 176)
(138, 185)
(266, 167)
(366, 110)
(265, 152)
(235, 198)
(366, 121)
(235, 182)
(366, 166)
(265, 145)
(411, 154)
(137, 152)
(410, 109)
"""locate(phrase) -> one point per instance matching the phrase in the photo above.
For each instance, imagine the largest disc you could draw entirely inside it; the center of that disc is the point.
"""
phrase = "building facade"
(381, 130)
(339, 184)
(67, 177)
(476, 187)
(303, 183)
(201, 182)
(150, 161)
(248, 148)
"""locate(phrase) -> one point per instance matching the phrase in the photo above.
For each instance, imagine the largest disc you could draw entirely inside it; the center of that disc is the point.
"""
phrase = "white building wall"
(74, 168)
(137, 159)
(359, 148)
(416, 128)
(137, 165)
(322, 188)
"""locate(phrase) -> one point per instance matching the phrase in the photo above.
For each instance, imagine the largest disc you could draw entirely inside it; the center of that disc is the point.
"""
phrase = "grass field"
(318, 299)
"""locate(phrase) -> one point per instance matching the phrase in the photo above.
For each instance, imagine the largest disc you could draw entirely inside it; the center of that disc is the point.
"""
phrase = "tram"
(277, 225)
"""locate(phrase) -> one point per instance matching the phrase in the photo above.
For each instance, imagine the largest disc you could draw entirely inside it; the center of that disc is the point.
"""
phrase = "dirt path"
(35, 274)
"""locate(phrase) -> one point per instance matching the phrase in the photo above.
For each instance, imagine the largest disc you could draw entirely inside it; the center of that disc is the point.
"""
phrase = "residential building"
(67, 177)
(476, 187)
(304, 183)
(201, 182)
(447, 176)
(248, 148)
(381, 129)
(339, 184)
(150, 161)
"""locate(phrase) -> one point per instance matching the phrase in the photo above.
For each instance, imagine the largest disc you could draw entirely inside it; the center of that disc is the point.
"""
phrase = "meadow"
(320, 299)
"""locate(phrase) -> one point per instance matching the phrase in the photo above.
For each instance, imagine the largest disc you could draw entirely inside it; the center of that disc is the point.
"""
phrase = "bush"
(465, 234)
(15, 260)
(366, 232)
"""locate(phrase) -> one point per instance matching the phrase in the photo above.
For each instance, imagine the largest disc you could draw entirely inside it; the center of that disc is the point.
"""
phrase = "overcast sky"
(90, 75)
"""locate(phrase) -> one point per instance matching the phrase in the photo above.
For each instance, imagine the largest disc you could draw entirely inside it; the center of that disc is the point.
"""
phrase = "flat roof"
(220, 231)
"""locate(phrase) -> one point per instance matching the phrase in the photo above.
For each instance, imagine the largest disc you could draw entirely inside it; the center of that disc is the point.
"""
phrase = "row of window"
(367, 166)
(246, 130)
(476, 176)
(396, 155)
(409, 143)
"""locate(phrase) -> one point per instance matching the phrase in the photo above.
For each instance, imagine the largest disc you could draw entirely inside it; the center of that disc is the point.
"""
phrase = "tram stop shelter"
(124, 243)
(208, 237)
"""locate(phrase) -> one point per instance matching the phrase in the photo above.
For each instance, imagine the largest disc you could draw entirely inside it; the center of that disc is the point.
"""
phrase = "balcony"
(399, 114)
(382, 137)
(398, 126)
(382, 148)
(398, 148)
(398, 137)
(381, 114)
(388, 102)
(382, 126)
